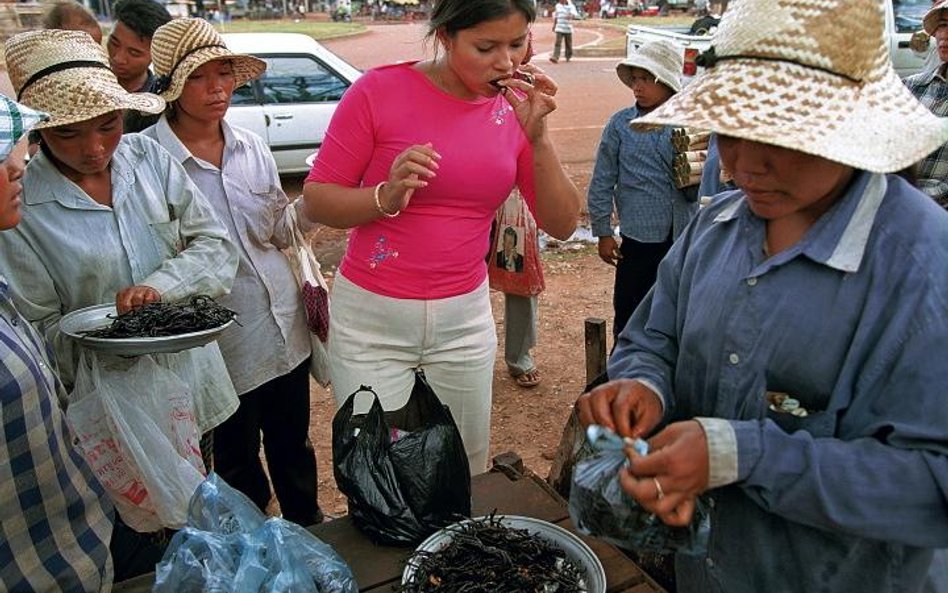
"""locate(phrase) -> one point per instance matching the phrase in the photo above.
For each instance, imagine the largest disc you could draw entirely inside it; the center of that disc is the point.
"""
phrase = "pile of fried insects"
(154, 320)
(486, 556)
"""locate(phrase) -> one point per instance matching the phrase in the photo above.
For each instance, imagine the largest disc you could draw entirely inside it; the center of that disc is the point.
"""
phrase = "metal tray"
(82, 320)
(576, 550)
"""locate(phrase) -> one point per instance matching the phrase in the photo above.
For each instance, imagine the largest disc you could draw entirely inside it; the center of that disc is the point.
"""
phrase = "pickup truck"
(908, 44)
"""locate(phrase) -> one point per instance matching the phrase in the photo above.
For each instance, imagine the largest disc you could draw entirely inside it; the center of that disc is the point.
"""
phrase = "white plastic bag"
(309, 272)
(134, 423)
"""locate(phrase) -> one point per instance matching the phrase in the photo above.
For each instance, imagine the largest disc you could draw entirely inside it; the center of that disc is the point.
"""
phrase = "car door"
(246, 110)
(299, 93)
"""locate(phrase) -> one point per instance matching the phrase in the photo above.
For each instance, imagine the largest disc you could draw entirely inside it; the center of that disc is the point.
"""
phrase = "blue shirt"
(634, 174)
(55, 522)
(851, 322)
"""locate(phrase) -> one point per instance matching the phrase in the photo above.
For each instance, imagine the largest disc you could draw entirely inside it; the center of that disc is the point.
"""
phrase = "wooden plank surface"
(377, 568)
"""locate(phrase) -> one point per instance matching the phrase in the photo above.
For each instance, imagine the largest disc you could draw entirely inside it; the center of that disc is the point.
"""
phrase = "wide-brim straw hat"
(181, 46)
(661, 58)
(815, 78)
(930, 22)
(66, 74)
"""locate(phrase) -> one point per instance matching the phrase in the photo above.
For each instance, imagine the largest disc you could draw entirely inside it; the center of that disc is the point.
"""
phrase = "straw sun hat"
(808, 76)
(181, 46)
(661, 58)
(67, 75)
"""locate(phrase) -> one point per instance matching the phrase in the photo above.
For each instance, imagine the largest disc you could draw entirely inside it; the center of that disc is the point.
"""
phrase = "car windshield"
(909, 14)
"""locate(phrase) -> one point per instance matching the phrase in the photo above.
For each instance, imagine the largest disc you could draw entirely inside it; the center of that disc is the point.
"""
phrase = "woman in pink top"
(416, 161)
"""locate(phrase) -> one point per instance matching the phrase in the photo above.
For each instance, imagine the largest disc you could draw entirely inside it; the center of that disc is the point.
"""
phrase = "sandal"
(528, 379)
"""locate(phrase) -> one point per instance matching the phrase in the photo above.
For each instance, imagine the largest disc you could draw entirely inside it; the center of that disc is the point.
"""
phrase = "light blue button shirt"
(70, 252)
(851, 322)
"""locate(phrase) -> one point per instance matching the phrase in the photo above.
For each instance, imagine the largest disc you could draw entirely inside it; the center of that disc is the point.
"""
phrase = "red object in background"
(649, 11)
(690, 67)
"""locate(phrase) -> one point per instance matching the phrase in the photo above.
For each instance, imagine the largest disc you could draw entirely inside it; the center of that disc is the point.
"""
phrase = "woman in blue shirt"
(791, 353)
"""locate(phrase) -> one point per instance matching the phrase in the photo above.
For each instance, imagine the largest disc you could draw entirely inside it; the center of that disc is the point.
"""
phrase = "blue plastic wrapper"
(229, 546)
(599, 507)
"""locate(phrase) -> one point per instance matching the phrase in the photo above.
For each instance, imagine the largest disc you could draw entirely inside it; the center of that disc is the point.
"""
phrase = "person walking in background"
(420, 195)
(72, 16)
(788, 368)
(129, 47)
(930, 87)
(267, 354)
(563, 14)
(634, 177)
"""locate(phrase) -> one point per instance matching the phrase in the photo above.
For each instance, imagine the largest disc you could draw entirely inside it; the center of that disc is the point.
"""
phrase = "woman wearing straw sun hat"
(107, 217)
(268, 355)
(792, 348)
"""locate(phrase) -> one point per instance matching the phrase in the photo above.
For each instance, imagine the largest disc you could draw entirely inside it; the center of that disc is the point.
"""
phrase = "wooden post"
(573, 437)
(595, 348)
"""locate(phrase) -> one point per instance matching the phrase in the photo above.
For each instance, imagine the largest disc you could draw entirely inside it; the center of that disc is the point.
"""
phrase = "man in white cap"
(930, 87)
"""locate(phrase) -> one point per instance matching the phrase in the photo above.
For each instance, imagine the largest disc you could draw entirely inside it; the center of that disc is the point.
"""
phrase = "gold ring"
(658, 487)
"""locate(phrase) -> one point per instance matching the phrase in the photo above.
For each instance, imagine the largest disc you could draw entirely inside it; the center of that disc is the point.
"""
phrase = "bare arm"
(346, 207)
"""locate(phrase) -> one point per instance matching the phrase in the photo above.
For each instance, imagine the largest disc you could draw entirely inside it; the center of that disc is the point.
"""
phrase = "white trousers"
(379, 341)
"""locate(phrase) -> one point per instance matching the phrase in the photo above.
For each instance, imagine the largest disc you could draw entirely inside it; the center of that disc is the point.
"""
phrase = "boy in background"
(634, 176)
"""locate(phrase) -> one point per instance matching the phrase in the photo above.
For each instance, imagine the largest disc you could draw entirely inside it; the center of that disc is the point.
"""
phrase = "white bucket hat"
(930, 22)
(812, 77)
(66, 74)
(183, 45)
(661, 58)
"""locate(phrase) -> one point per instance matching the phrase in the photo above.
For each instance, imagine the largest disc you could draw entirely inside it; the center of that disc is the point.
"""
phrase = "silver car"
(291, 104)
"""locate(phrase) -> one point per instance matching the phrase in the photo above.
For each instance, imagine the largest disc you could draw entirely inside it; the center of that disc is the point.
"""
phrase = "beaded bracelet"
(378, 203)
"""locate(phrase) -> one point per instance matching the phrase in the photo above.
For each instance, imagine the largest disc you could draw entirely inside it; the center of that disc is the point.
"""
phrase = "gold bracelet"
(378, 203)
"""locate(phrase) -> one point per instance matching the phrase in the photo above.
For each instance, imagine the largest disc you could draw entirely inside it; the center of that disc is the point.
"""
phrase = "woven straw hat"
(786, 73)
(66, 74)
(930, 22)
(662, 58)
(181, 46)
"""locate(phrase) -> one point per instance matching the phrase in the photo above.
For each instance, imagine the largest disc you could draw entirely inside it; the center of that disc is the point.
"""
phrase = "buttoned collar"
(170, 141)
(44, 182)
(839, 238)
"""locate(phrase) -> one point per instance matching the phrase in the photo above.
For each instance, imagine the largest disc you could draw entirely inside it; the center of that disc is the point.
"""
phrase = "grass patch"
(649, 21)
(317, 30)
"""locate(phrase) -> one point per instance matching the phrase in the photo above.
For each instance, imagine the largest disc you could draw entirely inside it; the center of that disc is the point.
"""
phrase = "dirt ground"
(526, 421)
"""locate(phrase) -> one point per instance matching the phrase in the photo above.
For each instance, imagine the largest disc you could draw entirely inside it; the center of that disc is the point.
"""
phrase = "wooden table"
(377, 568)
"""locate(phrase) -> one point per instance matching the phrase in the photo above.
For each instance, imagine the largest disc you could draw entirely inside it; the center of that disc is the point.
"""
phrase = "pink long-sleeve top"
(435, 249)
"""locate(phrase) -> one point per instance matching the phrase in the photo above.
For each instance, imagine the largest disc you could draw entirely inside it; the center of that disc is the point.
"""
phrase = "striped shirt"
(55, 522)
(931, 89)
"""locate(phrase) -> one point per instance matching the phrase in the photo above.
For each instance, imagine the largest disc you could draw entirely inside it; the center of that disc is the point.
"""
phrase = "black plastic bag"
(404, 472)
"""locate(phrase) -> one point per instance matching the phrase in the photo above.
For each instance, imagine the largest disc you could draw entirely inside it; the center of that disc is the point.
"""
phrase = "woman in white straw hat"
(792, 350)
(634, 176)
(268, 355)
(107, 217)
